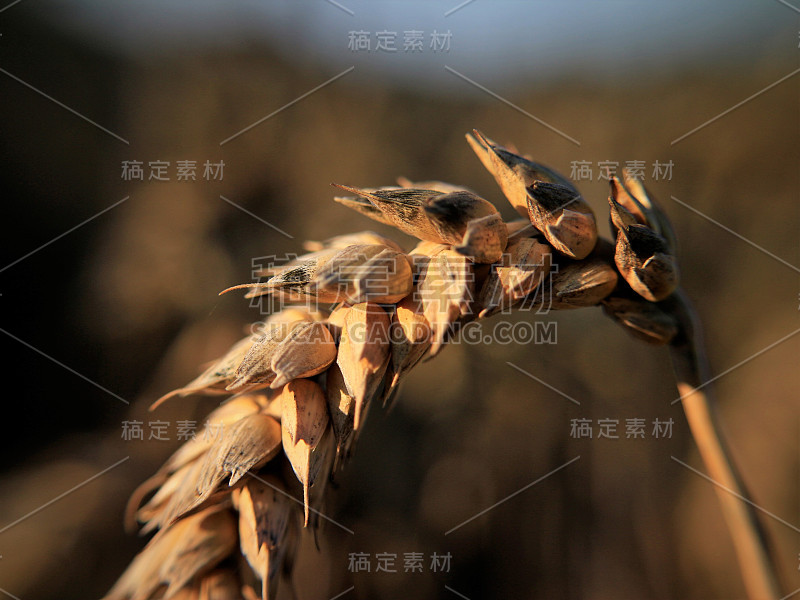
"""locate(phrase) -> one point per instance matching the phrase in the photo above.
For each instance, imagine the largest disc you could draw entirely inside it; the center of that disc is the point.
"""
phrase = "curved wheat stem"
(690, 364)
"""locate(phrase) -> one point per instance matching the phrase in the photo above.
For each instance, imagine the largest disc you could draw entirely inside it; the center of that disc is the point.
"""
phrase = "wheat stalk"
(302, 383)
(692, 374)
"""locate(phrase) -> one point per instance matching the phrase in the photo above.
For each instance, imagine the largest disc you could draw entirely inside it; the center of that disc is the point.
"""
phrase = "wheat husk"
(521, 271)
(216, 378)
(438, 186)
(256, 366)
(513, 173)
(304, 422)
(264, 514)
(445, 289)
(305, 352)
(564, 218)
(340, 242)
(642, 256)
(411, 338)
(194, 544)
(364, 354)
(341, 407)
(645, 320)
(362, 273)
(429, 215)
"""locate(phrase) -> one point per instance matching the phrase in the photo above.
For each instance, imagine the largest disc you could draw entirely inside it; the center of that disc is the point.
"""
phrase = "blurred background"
(109, 276)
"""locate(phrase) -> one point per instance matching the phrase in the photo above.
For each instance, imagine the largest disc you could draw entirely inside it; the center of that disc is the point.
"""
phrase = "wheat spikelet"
(304, 382)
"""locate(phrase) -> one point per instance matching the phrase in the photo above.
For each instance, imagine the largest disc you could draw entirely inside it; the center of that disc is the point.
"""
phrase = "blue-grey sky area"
(495, 42)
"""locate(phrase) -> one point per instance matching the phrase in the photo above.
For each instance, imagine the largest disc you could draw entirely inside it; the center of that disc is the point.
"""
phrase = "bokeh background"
(108, 287)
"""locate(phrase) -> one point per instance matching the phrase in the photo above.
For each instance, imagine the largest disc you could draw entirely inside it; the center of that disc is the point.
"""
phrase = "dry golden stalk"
(324, 370)
(693, 377)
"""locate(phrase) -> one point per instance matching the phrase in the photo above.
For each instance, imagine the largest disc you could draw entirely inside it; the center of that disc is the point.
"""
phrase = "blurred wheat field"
(134, 304)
